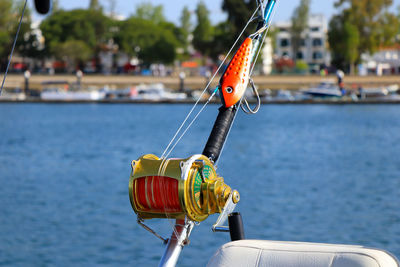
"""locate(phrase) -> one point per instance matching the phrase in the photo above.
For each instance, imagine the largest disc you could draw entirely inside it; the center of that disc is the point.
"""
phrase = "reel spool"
(176, 188)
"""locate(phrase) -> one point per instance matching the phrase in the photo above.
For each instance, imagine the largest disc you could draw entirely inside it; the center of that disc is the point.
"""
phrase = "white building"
(314, 43)
(384, 62)
(267, 56)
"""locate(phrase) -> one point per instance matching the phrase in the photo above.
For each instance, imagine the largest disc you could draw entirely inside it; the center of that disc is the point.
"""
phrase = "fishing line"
(265, 36)
(13, 47)
(203, 92)
(175, 139)
(251, 72)
(190, 124)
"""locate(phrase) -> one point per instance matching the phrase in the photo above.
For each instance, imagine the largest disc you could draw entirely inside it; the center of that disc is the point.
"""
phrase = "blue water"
(316, 173)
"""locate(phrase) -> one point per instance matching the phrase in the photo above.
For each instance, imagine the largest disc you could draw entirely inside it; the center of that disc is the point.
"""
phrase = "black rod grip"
(42, 6)
(219, 132)
(236, 228)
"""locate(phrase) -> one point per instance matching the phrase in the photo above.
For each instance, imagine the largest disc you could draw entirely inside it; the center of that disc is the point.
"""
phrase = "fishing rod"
(188, 190)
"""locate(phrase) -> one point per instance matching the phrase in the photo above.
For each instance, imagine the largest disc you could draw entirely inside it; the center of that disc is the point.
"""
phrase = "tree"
(390, 28)
(185, 29)
(150, 42)
(147, 11)
(344, 40)
(84, 25)
(351, 41)
(55, 5)
(95, 5)
(88, 26)
(74, 52)
(111, 7)
(203, 32)
(10, 13)
(222, 40)
(6, 25)
(27, 42)
(239, 12)
(299, 25)
(361, 26)
(366, 16)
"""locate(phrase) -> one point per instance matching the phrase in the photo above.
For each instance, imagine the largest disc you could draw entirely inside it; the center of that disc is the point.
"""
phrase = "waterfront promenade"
(274, 82)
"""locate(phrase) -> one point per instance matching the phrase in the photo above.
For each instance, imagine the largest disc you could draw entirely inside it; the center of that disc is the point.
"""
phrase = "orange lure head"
(234, 81)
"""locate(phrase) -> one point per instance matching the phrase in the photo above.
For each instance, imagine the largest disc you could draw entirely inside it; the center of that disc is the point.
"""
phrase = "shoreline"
(272, 82)
(214, 102)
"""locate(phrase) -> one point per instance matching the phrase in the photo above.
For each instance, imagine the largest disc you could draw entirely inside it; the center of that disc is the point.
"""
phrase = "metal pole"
(178, 240)
(79, 75)
(182, 77)
(27, 75)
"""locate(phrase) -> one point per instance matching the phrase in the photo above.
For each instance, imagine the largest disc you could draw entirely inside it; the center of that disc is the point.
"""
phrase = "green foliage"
(185, 29)
(222, 39)
(74, 52)
(147, 11)
(203, 32)
(55, 5)
(351, 40)
(149, 41)
(10, 13)
(6, 26)
(390, 28)
(362, 26)
(239, 12)
(95, 5)
(301, 66)
(299, 24)
(367, 16)
(344, 40)
(84, 25)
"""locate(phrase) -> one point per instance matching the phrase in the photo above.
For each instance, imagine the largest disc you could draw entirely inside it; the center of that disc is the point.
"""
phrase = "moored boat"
(154, 92)
(324, 89)
(16, 94)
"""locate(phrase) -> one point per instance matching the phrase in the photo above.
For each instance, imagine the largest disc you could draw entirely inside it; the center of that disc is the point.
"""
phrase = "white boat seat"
(248, 253)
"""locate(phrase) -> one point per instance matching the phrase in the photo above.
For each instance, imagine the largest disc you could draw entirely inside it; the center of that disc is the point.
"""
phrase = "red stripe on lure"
(234, 81)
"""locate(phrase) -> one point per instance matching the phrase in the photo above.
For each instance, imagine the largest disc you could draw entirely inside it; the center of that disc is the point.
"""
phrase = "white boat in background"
(378, 92)
(61, 90)
(16, 94)
(324, 89)
(283, 95)
(57, 94)
(154, 92)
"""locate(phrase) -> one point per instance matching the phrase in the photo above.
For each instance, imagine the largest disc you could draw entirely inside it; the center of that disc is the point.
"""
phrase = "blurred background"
(181, 44)
(96, 84)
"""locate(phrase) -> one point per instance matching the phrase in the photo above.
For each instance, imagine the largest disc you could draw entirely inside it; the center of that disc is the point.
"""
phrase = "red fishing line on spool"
(157, 194)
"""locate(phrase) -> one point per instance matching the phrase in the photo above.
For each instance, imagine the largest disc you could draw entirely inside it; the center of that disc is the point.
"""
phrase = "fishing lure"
(235, 79)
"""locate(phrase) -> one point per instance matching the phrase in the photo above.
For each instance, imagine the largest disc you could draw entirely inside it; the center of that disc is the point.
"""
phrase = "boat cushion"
(284, 254)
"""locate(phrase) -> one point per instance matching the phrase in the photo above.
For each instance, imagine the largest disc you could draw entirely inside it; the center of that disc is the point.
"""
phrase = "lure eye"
(229, 90)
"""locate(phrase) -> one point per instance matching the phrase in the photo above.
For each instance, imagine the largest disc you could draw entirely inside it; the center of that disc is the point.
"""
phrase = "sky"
(173, 8)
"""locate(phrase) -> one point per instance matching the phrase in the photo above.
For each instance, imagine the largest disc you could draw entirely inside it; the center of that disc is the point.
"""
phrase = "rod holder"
(236, 228)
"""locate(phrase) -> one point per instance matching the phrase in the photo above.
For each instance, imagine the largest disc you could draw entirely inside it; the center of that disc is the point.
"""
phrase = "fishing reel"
(178, 188)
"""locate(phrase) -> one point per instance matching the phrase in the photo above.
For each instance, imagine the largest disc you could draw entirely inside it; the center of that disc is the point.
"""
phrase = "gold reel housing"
(175, 188)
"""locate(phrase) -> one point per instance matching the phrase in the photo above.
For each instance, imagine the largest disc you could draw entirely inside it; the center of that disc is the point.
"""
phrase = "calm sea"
(315, 173)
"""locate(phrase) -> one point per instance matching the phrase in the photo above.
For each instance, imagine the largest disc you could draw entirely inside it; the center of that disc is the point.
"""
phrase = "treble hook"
(247, 109)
